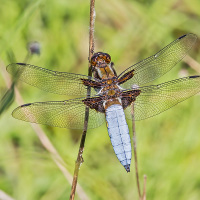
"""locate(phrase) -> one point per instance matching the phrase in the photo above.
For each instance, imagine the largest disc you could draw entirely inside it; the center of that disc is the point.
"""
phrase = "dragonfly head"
(100, 60)
(102, 67)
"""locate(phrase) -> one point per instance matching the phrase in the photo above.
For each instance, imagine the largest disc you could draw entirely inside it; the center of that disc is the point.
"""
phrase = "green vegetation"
(129, 30)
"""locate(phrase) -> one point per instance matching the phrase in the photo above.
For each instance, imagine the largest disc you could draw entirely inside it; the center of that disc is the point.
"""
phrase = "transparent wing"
(51, 81)
(157, 65)
(64, 114)
(155, 99)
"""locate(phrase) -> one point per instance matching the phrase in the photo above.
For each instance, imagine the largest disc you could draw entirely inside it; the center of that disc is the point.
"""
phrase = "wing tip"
(16, 110)
(194, 36)
(14, 64)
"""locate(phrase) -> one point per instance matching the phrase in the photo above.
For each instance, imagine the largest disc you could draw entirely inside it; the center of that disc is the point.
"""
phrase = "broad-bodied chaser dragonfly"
(111, 94)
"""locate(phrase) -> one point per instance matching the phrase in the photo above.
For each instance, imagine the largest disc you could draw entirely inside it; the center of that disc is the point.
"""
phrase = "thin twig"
(135, 150)
(192, 63)
(91, 36)
(144, 188)
(82, 144)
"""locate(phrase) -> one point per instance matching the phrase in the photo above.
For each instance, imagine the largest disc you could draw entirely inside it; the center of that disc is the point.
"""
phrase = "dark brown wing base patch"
(95, 103)
(91, 83)
(128, 97)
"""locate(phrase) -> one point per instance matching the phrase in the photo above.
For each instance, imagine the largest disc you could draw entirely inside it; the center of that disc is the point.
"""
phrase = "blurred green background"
(129, 30)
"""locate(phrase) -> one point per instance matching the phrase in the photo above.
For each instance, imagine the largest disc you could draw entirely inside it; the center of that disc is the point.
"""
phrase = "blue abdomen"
(119, 134)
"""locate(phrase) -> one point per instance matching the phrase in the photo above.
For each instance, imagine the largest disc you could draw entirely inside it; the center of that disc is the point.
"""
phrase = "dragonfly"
(111, 95)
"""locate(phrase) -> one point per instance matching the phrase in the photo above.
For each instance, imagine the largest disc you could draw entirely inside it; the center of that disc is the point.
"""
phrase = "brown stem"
(82, 144)
(144, 188)
(91, 36)
(192, 63)
(135, 150)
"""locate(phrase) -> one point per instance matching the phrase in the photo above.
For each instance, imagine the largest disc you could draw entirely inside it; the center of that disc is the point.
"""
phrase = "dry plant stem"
(82, 144)
(135, 150)
(144, 188)
(79, 160)
(192, 63)
(91, 36)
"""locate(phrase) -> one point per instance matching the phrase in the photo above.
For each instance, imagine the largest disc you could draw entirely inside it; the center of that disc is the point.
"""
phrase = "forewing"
(64, 114)
(155, 99)
(157, 65)
(51, 81)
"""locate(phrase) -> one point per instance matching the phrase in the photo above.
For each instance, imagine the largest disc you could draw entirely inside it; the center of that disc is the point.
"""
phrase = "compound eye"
(107, 58)
(100, 57)
(93, 61)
